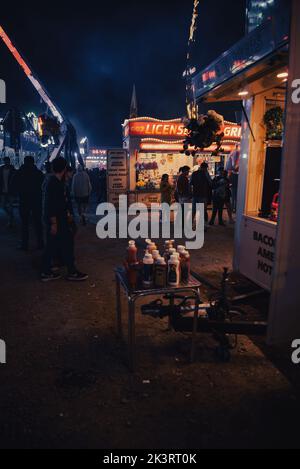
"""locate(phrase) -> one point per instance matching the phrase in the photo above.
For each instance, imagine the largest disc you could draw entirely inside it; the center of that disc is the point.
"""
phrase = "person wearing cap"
(60, 227)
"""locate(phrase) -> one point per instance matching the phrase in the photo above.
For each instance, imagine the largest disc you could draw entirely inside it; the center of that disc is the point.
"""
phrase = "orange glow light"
(177, 148)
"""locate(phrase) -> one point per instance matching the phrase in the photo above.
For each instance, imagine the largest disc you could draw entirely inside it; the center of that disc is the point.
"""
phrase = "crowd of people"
(45, 199)
(98, 178)
(200, 188)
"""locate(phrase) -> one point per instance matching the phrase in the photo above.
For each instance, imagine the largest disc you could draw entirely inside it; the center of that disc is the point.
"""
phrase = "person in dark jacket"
(201, 185)
(27, 184)
(60, 227)
(7, 172)
(228, 198)
(166, 190)
(183, 191)
(219, 197)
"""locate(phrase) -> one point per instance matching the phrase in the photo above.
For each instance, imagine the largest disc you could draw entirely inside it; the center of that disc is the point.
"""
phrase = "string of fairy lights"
(192, 108)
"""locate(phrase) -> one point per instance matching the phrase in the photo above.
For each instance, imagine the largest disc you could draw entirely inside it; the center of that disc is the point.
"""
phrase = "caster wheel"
(223, 354)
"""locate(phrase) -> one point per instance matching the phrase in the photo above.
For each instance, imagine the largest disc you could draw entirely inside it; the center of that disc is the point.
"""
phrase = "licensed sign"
(176, 129)
(117, 170)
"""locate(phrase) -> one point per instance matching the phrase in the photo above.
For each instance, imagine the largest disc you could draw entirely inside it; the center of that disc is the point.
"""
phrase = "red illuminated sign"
(173, 129)
(232, 132)
(157, 129)
(210, 75)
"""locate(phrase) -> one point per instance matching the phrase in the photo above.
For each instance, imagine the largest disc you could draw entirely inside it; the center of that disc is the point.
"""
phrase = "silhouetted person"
(81, 189)
(219, 196)
(28, 183)
(60, 226)
(166, 190)
(201, 185)
(228, 198)
(102, 197)
(7, 172)
(183, 190)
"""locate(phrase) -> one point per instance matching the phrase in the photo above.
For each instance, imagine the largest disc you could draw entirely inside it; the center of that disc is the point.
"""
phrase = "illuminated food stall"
(155, 148)
(260, 72)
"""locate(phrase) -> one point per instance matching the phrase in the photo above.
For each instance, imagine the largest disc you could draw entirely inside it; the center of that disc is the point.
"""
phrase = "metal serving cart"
(192, 288)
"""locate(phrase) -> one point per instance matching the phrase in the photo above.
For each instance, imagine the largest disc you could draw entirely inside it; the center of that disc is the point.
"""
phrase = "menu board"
(117, 174)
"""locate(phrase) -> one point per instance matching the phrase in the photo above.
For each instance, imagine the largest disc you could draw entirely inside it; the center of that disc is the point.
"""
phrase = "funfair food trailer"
(155, 148)
(263, 72)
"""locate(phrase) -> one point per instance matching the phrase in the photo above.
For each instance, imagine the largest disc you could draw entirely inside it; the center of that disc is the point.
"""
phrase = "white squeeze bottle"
(181, 250)
(155, 255)
(148, 245)
(173, 271)
(172, 251)
(148, 263)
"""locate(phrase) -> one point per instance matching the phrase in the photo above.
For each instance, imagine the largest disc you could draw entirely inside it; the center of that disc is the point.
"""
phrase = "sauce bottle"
(148, 263)
(181, 250)
(173, 271)
(186, 267)
(160, 276)
(132, 253)
(155, 255)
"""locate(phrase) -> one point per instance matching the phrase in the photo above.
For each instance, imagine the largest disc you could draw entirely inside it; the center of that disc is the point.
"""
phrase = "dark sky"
(88, 55)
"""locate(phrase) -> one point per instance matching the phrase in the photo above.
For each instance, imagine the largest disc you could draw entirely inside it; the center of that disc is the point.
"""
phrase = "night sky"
(88, 55)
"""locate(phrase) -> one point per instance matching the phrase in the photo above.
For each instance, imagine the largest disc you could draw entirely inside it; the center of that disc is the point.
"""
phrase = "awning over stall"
(263, 52)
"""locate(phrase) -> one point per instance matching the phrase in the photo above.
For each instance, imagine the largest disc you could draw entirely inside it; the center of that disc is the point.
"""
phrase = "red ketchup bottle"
(132, 264)
(185, 267)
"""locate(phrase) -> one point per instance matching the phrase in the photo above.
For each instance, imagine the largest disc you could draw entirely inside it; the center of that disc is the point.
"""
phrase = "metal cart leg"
(119, 309)
(172, 303)
(195, 328)
(131, 334)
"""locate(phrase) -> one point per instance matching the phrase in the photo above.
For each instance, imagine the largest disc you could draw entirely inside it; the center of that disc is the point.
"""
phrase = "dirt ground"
(66, 383)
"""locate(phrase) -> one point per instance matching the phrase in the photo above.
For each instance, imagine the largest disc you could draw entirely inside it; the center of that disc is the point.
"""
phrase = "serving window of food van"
(262, 92)
(260, 71)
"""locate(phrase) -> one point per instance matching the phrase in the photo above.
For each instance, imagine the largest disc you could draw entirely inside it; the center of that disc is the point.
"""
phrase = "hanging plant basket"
(204, 132)
(273, 120)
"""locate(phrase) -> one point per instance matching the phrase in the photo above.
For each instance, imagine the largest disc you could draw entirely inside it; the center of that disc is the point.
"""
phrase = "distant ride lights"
(2, 352)
(49, 130)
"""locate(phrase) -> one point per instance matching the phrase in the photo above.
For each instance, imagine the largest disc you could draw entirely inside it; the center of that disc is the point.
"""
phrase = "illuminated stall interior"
(97, 158)
(156, 147)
